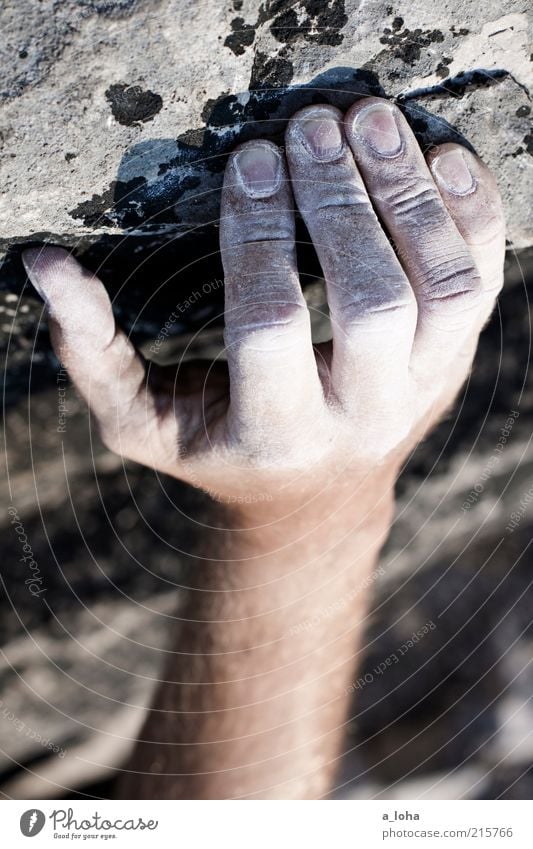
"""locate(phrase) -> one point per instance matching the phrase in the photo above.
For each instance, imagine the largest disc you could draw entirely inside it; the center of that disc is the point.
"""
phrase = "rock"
(116, 115)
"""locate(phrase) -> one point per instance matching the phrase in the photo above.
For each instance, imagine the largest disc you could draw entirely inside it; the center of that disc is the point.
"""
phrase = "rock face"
(115, 114)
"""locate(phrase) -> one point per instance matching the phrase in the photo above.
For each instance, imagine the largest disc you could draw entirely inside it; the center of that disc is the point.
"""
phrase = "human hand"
(283, 416)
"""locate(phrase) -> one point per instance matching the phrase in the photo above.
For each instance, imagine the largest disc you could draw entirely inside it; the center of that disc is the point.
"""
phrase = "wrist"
(282, 544)
(351, 501)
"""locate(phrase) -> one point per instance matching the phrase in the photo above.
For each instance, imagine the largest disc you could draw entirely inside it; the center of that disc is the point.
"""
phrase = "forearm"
(255, 696)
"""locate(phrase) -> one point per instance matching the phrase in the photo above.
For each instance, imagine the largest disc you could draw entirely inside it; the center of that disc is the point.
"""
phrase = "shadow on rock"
(164, 207)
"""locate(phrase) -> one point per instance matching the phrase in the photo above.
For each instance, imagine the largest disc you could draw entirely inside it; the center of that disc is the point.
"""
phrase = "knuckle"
(415, 201)
(385, 291)
(286, 454)
(340, 202)
(376, 304)
(261, 237)
(118, 353)
(383, 427)
(379, 442)
(453, 285)
(268, 328)
(292, 443)
(341, 197)
(262, 231)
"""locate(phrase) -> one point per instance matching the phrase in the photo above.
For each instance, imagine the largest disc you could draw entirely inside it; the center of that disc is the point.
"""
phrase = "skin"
(300, 444)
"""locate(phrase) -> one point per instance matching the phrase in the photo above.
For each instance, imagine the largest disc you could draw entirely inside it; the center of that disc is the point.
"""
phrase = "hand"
(282, 415)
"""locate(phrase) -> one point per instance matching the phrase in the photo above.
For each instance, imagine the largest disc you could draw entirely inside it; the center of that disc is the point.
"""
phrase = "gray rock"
(115, 114)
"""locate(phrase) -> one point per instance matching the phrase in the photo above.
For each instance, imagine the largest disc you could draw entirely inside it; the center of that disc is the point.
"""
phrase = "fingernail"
(452, 171)
(322, 136)
(377, 126)
(259, 169)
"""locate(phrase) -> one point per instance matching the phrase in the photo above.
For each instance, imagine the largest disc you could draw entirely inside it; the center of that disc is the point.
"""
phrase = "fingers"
(273, 374)
(477, 213)
(372, 306)
(101, 362)
(432, 251)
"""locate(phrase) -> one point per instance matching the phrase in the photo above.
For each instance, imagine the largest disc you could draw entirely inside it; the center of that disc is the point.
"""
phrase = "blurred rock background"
(114, 145)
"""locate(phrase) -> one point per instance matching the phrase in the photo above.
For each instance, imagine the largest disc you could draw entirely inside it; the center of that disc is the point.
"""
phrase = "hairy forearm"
(254, 699)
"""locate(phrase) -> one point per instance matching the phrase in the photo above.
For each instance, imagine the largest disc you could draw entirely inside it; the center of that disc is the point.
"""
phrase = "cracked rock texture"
(114, 114)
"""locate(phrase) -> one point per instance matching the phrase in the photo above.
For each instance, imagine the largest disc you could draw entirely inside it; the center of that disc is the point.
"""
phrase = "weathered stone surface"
(116, 114)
